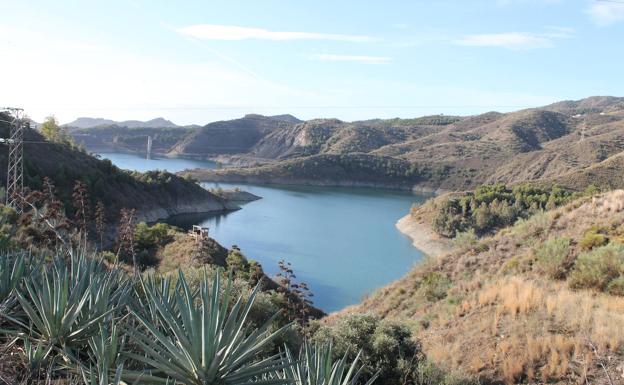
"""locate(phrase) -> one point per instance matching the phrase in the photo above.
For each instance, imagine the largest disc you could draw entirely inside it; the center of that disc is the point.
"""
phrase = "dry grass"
(505, 320)
(521, 330)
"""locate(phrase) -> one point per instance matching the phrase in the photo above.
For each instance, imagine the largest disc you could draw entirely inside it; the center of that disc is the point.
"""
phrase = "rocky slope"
(452, 153)
(229, 137)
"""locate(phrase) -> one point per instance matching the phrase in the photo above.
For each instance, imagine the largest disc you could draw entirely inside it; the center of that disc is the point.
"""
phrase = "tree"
(51, 130)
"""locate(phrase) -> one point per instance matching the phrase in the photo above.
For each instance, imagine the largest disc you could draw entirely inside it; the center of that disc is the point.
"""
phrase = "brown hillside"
(515, 307)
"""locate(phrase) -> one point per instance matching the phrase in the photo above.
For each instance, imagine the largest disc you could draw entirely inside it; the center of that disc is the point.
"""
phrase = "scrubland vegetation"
(156, 306)
(537, 302)
(491, 207)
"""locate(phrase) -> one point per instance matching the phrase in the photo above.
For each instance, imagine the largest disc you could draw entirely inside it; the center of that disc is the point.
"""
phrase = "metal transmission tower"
(15, 169)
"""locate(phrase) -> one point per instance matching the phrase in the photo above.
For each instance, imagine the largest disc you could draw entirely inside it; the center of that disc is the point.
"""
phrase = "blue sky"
(199, 61)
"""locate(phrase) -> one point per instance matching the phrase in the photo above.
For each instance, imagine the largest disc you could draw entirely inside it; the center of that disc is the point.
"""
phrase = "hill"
(228, 137)
(124, 139)
(537, 302)
(155, 195)
(453, 153)
(86, 122)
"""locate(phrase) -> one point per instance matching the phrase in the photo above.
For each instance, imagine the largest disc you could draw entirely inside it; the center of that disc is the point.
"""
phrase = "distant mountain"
(85, 122)
(90, 122)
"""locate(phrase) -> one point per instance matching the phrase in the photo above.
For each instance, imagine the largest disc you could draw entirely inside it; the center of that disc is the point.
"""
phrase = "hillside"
(363, 170)
(229, 137)
(453, 153)
(538, 302)
(155, 195)
(123, 139)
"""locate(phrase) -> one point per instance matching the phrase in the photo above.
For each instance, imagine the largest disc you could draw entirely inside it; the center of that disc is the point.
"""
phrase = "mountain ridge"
(87, 122)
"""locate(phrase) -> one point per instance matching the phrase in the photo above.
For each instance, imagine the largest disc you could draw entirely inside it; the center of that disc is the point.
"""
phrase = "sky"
(199, 61)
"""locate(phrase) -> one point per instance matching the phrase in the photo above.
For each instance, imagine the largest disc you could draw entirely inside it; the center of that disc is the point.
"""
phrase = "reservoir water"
(341, 241)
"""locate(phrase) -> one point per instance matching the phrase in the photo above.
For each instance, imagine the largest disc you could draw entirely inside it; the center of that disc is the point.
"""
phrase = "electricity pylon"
(15, 169)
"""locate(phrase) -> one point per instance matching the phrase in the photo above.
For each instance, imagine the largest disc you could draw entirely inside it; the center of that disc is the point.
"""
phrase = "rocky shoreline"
(423, 237)
(161, 213)
(250, 179)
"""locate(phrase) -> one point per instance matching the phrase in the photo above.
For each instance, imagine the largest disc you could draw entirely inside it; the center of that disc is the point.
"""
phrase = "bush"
(599, 267)
(466, 240)
(592, 238)
(551, 256)
(434, 286)
(387, 346)
(428, 373)
(616, 286)
(491, 207)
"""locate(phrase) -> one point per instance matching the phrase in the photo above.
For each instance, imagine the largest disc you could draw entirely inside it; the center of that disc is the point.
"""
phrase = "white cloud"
(527, 2)
(80, 78)
(555, 32)
(509, 40)
(606, 13)
(354, 58)
(233, 32)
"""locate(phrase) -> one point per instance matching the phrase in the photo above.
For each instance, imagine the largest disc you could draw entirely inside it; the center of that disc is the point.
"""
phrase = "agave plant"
(65, 303)
(35, 356)
(316, 366)
(105, 361)
(194, 338)
(12, 271)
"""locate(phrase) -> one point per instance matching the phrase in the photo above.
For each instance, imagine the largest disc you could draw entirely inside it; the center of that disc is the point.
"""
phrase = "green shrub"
(148, 237)
(592, 238)
(598, 267)
(387, 346)
(491, 207)
(551, 256)
(616, 286)
(466, 240)
(428, 373)
(434, 286)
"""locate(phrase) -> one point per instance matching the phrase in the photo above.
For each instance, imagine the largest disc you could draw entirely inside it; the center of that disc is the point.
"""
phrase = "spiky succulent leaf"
(315, 366)
(198, 339)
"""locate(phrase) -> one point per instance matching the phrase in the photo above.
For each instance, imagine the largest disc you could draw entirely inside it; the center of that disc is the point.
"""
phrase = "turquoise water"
(138, 163)
(341, 241)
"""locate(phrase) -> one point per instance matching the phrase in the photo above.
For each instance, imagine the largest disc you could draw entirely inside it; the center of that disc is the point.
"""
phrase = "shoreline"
(423, 237)
(253, 180)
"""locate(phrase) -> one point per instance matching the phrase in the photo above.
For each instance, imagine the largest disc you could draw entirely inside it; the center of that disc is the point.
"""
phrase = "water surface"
(139, 163)
(341, 241)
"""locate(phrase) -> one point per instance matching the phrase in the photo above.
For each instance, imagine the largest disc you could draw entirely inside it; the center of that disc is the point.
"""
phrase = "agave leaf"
(316, 367)
(198, 341)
